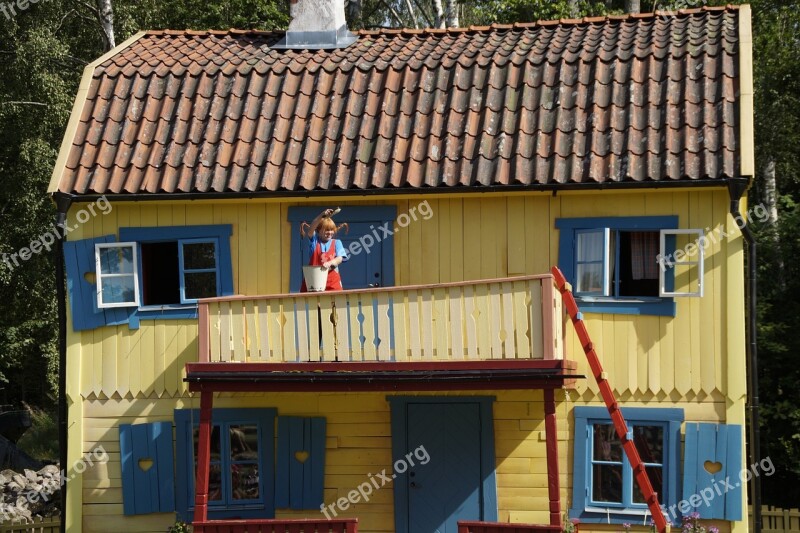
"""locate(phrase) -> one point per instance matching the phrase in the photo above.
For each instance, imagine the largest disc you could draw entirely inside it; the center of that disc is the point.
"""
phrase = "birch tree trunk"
(771, 192)
(633, 6)
(452, 14)
(106, 15)
(437, 7)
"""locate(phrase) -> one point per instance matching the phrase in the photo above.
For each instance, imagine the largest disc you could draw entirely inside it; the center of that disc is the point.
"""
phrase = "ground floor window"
(241, 479)
(604, 484)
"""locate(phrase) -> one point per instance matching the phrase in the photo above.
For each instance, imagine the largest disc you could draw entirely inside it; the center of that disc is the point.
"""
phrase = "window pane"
(590, 277)
(607, 446)
(649, 442)
(244, 481)
(214, 470)
(244, 443)
(655, 474)
(118, 260)
(200, 285)
(199, 255)
(590, 246)
(118, 290)
(607, 483)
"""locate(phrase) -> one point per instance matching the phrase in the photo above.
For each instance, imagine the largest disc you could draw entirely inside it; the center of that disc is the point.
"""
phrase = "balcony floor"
(371, 376)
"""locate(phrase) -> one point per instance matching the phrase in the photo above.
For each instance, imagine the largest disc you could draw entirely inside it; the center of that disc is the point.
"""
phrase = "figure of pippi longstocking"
(325, 251)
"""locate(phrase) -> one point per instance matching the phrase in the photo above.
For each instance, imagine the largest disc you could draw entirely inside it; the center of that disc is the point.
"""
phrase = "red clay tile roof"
(631, 99)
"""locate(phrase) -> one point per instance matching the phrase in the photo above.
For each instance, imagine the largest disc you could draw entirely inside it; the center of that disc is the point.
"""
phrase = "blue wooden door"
(448, 487)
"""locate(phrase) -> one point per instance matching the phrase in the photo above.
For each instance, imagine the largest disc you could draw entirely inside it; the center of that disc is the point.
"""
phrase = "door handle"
(374, 285)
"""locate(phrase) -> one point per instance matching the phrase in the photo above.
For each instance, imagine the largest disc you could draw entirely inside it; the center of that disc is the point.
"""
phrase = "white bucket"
(316, 278)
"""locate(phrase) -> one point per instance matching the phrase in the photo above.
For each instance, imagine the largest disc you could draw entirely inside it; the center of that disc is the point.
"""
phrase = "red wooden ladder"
(650, 496)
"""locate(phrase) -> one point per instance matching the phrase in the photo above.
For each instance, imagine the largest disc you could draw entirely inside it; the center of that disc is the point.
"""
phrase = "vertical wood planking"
(399, 313)
(456, 239)
(287, 321)
(124, 361)
(537, 324)
(225, 331)
(356, 346)
(495, 326)
(471, 244)
(307, 325)
(238, 333)
(507, 300)
(440, 324)
(546, 295)
(148, 364)
(414, 332)
(515, 221)
(456, 322)
(109, 360)
(482, 321)
(214, 330)
(343, 348)
(252, 345)
(469, 322)
(329, 339)
(274, 326)
(521, 340)
(384, 336)
(159, 347)
(368, 325)
(262, 325)
(426, 314)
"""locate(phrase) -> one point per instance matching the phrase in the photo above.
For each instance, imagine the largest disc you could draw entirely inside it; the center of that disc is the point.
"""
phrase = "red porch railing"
(494, 527)
(294, 525)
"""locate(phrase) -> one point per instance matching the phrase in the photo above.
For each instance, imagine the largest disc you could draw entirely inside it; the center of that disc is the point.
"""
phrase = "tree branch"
(23, 103)
(393, 12)
(424, 14)
(413, 14)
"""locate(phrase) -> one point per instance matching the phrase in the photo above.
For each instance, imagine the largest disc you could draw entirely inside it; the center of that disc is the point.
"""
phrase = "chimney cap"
(316, 25)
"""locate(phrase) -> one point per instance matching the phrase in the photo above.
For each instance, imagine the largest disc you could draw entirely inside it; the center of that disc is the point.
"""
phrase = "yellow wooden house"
(443, 389)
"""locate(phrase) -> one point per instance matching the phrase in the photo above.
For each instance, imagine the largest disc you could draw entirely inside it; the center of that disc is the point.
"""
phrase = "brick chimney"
(316, 24)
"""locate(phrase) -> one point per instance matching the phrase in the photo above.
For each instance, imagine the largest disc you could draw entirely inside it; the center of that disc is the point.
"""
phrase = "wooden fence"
(35, 525)
(777, 520)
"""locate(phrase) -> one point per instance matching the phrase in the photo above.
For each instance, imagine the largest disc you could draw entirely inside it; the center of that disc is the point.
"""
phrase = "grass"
(41, 440)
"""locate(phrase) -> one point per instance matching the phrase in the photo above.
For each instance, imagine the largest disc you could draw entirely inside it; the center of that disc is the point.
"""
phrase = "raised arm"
(313, 227)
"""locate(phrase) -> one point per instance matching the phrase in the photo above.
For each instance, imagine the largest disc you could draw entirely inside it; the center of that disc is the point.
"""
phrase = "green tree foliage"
(776, 33)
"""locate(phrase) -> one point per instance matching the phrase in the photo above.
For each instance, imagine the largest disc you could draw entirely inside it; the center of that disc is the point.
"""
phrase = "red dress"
(334, 282)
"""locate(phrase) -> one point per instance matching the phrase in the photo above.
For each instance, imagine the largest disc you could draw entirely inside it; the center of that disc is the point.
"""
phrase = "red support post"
(203, 458)
(551, 436)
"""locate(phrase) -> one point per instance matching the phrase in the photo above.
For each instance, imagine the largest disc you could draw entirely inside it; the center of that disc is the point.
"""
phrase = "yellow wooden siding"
(465, 239)
(358, 444)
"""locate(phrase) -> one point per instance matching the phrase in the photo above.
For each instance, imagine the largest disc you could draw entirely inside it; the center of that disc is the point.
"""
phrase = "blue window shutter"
(151, 490)
(717, 445)
(300, 485)
(79, 259)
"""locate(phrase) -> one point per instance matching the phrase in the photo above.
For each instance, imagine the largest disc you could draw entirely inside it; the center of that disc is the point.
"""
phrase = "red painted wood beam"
(551, 437)
(203, 458)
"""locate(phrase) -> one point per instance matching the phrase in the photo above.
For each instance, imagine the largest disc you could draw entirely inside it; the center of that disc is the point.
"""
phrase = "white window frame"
(100, 276)
(663, 266)
(606, 291)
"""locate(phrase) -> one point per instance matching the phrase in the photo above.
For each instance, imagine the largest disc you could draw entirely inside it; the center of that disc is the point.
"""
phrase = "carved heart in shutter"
(301, 456)
(145, 464)
(711, 467)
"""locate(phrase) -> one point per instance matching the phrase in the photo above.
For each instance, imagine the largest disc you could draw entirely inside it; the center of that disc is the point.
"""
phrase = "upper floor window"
(153, 272)
(604, 485)
(632, 265)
